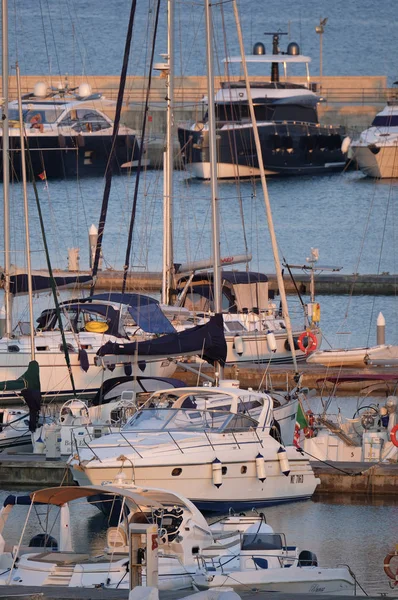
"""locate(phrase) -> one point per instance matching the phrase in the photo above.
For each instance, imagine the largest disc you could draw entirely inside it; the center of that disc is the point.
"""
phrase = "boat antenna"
(6, 169)
(213, 171)
(275, 50)
(279, 276)
(111, 159)
(138, 172)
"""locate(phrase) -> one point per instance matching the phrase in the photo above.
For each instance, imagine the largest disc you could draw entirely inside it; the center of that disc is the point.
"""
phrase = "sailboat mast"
(26, 213)
(271, 228)
(6, 169)
(213, 165)
(167, 282)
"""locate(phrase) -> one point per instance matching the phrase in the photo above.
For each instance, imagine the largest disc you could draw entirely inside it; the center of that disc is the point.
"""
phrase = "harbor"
(198, 324)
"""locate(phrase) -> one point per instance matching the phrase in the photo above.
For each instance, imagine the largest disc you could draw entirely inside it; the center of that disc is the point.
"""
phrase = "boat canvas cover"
(206, 340)
(40, 283)
(145, 311)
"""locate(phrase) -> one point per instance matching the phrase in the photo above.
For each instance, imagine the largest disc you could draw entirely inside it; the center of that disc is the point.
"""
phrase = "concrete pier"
(385, 284)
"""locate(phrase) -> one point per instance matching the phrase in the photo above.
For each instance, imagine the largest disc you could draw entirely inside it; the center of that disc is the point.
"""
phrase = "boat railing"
(258, 439)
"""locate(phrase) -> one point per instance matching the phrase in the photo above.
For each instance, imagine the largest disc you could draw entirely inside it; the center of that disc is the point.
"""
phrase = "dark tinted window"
(385, 121)
(261, 541)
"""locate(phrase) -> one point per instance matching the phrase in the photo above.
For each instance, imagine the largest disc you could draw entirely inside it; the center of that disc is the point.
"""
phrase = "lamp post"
(320, 30)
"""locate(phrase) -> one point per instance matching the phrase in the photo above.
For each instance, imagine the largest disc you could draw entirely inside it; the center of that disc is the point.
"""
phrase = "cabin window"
(243, 469)
(385, 121)
(176, 472)
(224, 470)
(42, 348)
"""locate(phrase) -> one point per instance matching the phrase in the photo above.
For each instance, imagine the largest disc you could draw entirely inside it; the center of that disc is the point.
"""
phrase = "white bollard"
(381, 329)
(73, 259)
(92, 242)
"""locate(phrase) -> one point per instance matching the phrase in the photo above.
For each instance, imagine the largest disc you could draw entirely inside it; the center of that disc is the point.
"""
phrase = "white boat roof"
(269, 58)
(144, 497)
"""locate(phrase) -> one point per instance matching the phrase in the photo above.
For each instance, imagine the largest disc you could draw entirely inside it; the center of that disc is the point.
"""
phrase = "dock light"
(320, 30)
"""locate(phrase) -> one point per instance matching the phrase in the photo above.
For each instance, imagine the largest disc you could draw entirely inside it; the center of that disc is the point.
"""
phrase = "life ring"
(311, 344)
(387, 568)
(393, 435)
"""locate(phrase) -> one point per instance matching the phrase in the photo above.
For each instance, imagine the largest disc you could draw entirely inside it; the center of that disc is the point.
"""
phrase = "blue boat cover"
(208, 341)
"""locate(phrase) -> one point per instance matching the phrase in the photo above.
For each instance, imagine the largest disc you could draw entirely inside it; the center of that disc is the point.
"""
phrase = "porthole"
(176, 472)
(243, 469)
(224, 470)
(13, 348)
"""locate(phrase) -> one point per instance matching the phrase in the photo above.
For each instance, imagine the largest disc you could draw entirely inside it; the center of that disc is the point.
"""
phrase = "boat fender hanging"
(260, 467)
(387, 568)
(394, 435)
(217, 472)
(238, 345)
(345, 144)
(312, 342)
(271, 341)
(283, 461)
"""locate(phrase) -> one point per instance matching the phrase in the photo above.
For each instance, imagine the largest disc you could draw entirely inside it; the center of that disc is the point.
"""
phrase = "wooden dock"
(67, 593)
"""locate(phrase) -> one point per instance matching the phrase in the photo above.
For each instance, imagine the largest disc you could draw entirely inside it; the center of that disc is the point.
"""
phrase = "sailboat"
(219, 457)
(76, 328)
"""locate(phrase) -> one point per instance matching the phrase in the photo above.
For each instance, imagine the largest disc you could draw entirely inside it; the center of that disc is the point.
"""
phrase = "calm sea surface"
(88, 37)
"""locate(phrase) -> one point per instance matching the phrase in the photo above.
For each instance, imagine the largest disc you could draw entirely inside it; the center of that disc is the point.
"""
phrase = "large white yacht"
(376, 150)
(218, 458)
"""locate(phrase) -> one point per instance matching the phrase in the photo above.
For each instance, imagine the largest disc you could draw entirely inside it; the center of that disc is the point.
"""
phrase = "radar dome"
(40, 89)
(259, 49)
(293, 49)
(84, 90)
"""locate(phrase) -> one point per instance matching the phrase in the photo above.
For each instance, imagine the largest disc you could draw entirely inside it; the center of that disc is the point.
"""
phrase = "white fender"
(260, 467)
(283, 461)
(239, 345)
(217, 472)
(345, 144)
(271, 341)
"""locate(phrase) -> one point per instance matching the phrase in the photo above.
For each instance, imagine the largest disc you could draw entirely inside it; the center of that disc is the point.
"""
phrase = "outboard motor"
(307, 559)
(42, 540)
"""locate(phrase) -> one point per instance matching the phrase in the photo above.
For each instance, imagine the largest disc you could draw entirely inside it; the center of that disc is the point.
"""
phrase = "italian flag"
(301, 423)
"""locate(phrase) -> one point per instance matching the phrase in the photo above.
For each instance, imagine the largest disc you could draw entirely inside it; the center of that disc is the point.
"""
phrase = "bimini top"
(269, 58)
(143, 497)
(233, 277)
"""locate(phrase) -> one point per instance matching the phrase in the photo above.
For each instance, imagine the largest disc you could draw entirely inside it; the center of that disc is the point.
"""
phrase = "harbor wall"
(350, 101)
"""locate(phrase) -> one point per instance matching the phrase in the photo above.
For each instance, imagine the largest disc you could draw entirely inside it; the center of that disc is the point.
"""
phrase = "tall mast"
(213, 165)
(26, 213)
(279, 277)
(6, 170)
(167, 282)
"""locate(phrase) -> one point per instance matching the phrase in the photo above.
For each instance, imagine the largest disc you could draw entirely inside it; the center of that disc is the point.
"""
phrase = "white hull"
(256, 348)
(297, 580)
(351, 357)
(238, 489)
(382, 165)
(201, 170)
(382, 356)
(54, 376)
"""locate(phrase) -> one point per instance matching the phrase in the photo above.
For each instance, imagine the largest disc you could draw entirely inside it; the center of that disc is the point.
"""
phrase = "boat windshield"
(261, 541)
(385, 121)
(47, 115)
(163, 419)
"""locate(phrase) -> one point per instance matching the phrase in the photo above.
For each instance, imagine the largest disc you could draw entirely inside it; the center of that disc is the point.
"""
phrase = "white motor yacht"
(218, 458)
(376, 150)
